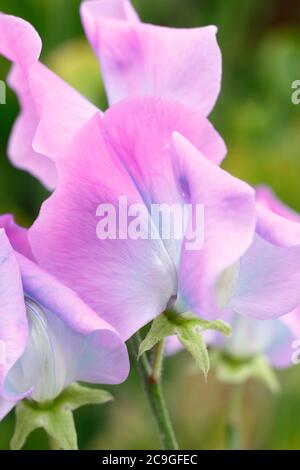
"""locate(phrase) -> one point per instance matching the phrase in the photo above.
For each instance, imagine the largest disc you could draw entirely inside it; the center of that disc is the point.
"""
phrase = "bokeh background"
(260, 42)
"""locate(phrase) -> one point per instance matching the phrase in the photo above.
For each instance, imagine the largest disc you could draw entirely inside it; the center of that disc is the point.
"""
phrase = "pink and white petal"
(91, 349)
(13, 320)
(138, 59)
(229, 224)
(268, 281)
(127, 282)
(17, 236)
(19, 41)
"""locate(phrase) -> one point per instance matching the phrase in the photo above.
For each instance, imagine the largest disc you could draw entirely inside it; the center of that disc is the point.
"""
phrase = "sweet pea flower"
(275, 339)
(187, 69)
(249, 263)
(144, 59)
(48, 337)
(133, 151)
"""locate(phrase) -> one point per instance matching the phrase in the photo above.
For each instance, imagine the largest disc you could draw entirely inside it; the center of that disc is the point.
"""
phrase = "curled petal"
(19, 42)
(51, 111)
(18, 236)
(277, 229)
(267, 198)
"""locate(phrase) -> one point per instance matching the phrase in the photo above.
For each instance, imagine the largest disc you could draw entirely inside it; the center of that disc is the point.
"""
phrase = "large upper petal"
(129, 152)
(13, 320)
(138, 58)
(128, 281)
(51, 111)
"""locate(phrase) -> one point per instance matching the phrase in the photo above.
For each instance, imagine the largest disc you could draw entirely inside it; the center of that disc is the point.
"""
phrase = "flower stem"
(150, 378)
(232, 427)
(157, 360)
(53, 444)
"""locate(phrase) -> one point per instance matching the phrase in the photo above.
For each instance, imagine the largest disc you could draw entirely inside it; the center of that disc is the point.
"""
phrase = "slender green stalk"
(53, 445)
(151, 380)
(232, 427)
(157, 360)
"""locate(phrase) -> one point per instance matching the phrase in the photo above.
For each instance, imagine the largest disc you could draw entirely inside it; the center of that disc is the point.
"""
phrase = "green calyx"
(55, 417)
(237, 371)
(188, 328)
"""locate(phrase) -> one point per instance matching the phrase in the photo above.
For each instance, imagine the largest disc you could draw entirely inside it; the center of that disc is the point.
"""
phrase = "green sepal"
(237, 371)
(55, 417)
(188, 328)
(195, 344)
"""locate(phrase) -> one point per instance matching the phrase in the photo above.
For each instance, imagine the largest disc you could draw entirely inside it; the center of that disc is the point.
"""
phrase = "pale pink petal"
(19, 42)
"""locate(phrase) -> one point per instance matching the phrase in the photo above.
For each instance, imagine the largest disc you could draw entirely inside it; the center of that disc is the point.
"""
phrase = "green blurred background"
(260, 42)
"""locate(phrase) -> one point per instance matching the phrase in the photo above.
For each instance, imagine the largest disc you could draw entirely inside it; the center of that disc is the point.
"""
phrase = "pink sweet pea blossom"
(133, 150)
(151, 150)
(48, 337)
